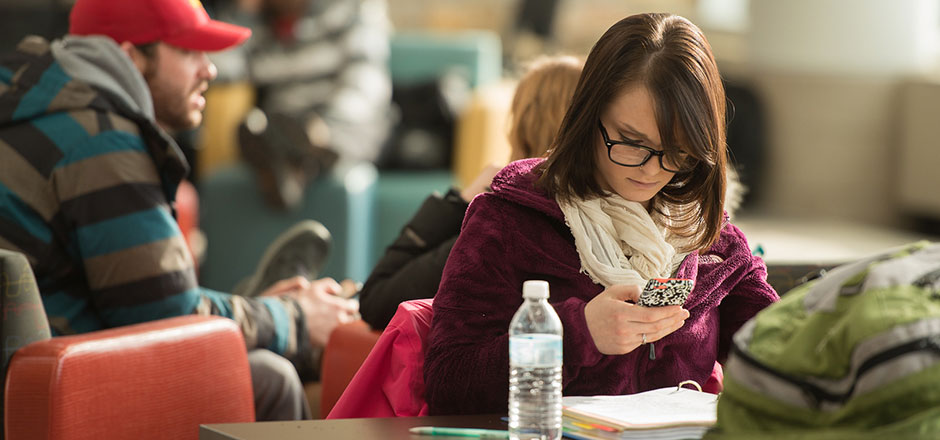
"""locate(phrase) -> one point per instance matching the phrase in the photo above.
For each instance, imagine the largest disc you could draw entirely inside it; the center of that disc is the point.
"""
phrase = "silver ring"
(644, 338)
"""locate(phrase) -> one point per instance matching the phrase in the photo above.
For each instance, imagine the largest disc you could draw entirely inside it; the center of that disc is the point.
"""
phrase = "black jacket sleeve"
(411, 267)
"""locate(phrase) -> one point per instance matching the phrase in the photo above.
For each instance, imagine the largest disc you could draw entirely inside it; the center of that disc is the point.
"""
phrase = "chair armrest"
(159, 379)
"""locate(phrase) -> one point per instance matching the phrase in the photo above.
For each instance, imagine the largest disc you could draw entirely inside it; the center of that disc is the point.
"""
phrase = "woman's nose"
(651, 166)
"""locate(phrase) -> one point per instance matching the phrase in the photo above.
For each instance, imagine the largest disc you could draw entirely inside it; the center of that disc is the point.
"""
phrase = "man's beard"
(171, 111)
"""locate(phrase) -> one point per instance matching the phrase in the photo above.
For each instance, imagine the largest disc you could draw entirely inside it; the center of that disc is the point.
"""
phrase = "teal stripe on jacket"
(220, 301)
(125, 232)
(76, 312)
(37, 99)
(104, 143)
(276, 307)
(61, 129)
(12, 207)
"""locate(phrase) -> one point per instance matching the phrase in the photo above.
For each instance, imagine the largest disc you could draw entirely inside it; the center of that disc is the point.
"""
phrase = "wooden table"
(353, 429)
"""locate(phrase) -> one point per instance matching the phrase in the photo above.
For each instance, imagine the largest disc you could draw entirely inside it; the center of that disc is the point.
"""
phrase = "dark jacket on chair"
(411, 267)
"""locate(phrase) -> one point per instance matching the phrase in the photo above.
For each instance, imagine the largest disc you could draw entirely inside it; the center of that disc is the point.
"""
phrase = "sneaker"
(302, 250)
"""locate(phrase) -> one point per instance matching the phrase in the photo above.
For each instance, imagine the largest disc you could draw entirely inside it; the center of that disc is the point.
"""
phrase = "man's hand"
(323, 309)
(289, 287)
(618, 327)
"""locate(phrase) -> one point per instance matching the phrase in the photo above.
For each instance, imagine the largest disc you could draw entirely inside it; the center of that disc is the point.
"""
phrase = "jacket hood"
(99, 61)
(516, 183)
(40, 78)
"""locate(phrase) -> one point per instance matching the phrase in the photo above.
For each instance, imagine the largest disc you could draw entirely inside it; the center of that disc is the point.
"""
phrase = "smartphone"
(666, 292)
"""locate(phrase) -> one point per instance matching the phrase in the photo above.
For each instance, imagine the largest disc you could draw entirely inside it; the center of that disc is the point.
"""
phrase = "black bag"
(427, 113)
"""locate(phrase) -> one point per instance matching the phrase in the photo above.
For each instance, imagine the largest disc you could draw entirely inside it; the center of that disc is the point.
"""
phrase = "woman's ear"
(137, 57)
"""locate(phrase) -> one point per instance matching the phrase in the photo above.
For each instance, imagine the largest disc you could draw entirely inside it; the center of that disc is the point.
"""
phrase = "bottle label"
(535, 350)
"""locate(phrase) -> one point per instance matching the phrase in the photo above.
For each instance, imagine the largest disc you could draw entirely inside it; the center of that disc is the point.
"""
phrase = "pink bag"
(390, 383)
(715, 383)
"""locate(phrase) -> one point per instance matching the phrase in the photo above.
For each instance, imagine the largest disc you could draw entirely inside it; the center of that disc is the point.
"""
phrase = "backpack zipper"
(817, 394)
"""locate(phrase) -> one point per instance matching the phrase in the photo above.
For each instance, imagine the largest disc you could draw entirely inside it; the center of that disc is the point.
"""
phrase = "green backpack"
(853, 354)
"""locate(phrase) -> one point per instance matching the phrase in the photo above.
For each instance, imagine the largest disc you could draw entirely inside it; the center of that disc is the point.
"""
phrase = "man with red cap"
(88, 177)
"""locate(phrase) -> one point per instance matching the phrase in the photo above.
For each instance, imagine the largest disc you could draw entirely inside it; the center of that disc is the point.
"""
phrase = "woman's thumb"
(624, 292)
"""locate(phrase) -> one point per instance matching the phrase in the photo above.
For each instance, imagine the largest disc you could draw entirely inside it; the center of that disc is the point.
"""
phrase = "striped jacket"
(86, 192)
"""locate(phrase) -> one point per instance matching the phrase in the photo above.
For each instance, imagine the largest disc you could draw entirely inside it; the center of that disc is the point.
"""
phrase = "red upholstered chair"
(155, 380)
(347, 348)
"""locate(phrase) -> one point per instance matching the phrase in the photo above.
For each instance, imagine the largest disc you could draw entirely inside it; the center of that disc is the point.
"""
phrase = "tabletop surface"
(395, 428)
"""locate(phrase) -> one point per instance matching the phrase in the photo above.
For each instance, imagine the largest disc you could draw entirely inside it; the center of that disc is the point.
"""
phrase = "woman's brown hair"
(539, 104)
(670, 57)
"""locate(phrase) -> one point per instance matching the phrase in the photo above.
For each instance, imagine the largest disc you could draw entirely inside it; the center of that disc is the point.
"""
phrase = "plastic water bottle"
(535, 367)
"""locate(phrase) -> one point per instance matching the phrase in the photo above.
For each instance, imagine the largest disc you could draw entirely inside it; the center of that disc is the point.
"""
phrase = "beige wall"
(829, 146)
(830, 74)
(918, 173)
(578, 25)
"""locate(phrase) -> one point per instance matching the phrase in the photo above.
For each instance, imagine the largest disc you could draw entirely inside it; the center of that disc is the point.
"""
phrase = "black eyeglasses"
(632, 154)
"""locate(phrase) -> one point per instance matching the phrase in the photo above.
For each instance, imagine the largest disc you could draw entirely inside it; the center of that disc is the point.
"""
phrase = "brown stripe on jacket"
(87, 118)
(75, 94)
(138, 262)
(120, 123)
(103, 171)
(100, 205)
(23, 179)
(252, 316)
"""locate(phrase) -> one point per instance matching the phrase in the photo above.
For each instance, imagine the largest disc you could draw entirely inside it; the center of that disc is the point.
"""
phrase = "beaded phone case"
(666, 292)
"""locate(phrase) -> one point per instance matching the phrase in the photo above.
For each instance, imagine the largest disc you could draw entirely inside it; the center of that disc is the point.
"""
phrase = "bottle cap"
(535, 289)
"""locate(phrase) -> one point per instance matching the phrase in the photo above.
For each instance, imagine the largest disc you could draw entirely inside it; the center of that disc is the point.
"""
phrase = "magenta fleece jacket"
(517, 233)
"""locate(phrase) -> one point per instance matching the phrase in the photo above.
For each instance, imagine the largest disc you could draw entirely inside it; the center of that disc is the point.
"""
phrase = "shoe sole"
(316, 230)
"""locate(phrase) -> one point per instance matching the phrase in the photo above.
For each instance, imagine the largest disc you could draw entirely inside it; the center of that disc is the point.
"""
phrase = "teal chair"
(363, 209)
(239, 225)
(417, 56)
(398, 196)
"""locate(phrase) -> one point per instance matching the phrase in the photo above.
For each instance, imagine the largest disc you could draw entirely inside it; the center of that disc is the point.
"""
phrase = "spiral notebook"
(665, 413)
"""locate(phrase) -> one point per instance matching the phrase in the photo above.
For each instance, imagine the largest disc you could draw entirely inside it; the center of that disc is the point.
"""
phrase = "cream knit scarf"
(620, 243)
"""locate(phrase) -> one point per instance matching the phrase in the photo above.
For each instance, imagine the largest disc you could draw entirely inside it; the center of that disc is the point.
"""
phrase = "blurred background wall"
(840, 83)
(837, 101)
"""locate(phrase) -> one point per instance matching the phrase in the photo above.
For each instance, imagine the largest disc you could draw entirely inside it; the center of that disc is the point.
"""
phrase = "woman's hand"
(618, 327)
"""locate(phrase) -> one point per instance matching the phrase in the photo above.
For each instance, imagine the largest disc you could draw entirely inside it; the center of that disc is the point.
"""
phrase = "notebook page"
(657, 408)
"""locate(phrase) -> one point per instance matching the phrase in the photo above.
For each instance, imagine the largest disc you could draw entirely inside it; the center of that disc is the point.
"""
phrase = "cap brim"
(211, 37)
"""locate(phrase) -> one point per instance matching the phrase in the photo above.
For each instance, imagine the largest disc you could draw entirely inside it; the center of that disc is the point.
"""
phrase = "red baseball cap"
(181, 23)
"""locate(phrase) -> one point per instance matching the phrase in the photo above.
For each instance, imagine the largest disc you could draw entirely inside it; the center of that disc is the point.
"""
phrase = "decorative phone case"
(666, 292)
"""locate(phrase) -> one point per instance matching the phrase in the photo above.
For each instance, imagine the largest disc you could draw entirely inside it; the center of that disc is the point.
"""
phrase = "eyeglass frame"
(650, 152)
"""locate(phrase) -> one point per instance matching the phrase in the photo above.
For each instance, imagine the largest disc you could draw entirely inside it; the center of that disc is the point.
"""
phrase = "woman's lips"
(643, 185)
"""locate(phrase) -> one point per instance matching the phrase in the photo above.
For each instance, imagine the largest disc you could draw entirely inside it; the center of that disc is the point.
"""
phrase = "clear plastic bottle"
(535, 367)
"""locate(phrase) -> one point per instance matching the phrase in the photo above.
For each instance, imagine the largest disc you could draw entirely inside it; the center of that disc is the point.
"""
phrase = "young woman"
(633, 189)
(411, 267)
